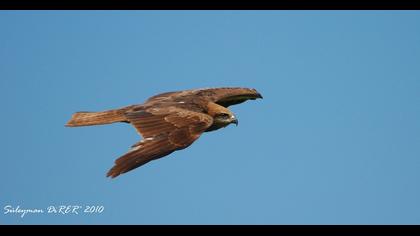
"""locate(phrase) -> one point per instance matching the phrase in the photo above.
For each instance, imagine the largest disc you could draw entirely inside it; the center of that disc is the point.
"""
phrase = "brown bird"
(169, 121)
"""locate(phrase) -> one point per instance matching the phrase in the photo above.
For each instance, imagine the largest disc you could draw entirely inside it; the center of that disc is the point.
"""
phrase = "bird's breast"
(216, 125)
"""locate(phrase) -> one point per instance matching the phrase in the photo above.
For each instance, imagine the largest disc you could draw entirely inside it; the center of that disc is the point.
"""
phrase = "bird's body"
(168, 121)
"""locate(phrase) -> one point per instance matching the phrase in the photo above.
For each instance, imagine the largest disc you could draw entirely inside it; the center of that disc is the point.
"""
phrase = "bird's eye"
(224, 116)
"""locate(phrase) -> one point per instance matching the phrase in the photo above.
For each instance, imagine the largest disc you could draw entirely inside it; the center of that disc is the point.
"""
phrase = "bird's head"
(222, 116)
(225, 118)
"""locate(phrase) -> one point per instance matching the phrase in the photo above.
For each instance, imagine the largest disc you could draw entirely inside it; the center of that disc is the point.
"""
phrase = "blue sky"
(334, 141)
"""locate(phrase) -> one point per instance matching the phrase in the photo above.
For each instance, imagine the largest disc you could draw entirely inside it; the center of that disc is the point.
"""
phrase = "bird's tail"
(97, 118)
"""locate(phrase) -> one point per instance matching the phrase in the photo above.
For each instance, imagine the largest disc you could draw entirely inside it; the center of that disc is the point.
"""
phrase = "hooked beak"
(235, 121)
(259, 95)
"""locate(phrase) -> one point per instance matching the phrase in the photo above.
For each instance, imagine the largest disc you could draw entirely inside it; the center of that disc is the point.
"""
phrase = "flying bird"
(169, 121)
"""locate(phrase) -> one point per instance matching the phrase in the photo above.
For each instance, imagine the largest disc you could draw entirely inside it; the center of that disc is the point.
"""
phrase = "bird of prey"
(169, 121)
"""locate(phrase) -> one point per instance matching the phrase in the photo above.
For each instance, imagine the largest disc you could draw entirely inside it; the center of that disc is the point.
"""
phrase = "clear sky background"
(336, 139)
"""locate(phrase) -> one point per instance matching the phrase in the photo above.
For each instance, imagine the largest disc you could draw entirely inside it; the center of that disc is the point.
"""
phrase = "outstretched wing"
(164, 130)
(229, 96)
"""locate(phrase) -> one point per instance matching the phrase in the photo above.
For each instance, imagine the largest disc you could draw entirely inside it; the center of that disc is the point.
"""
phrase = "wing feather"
(147, 152)
(229, 96)
(164, 130)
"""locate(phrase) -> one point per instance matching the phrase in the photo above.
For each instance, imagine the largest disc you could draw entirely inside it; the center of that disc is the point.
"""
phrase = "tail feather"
(97, 118)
